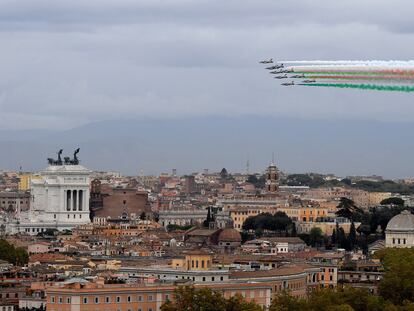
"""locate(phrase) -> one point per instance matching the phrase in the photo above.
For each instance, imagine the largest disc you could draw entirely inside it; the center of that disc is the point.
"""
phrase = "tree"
(16, 256)
(286, 302)
(278, 222)
(224, 174)
(341, 238)
(347, 208)
(397, 284)
(204, 299)
(352, 237)
(334, 239)
(209, 218)
(257, 182)
(344, 299)
(393, 201)
(21, 256)
(293, 232)
(315, 236)
(237, 303)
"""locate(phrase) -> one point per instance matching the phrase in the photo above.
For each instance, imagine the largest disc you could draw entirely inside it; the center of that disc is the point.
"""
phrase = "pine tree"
(293, 232)
(352, 236)
(341, 238)
(333, 237)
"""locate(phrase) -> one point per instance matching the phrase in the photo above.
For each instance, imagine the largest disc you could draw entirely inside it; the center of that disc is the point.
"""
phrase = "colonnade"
(74, 200)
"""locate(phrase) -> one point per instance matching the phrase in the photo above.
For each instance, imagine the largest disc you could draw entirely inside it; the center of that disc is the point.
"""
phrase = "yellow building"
(193, 260)
(25, 179)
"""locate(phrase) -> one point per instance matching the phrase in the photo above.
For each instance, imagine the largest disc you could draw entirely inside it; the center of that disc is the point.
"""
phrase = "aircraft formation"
(280, 72)
(366, 75)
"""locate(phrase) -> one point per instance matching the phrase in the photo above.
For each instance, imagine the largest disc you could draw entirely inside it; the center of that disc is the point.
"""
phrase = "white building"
(59, 200)
(400, 231)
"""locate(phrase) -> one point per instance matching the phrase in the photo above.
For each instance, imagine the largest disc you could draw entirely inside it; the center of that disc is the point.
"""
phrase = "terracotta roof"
(230, 235)
(202, 232)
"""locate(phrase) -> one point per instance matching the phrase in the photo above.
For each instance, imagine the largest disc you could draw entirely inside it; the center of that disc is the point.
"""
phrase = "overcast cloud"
(67, 63)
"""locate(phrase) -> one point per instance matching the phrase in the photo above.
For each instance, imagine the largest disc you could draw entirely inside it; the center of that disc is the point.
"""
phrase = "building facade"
(59, 199)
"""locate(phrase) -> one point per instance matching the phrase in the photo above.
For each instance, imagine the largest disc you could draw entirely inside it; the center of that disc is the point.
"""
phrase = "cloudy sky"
(67, 63)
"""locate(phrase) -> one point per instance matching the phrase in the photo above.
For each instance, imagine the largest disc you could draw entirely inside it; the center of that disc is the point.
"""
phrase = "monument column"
(75, 199)
(80, 205)
(68, 200)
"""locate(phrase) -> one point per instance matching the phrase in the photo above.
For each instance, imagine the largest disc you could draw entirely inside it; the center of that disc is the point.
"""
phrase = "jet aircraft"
(288, 83)
(281, 77)
(270, 61)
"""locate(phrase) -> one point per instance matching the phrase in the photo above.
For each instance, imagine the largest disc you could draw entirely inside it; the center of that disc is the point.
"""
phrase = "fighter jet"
(308, 81)
(276, 72)
(298, 76)
(288, 83)
(281, 77)
(270, 61)
(275, 67)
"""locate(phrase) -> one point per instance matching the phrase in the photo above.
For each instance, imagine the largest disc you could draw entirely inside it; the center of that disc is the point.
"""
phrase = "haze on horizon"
(67, 64)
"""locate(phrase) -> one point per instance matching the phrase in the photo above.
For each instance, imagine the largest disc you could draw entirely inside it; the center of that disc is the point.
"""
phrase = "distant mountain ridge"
(191, 144)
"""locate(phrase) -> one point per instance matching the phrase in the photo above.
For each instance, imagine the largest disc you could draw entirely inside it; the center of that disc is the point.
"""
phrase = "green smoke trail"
(394, 88)
(337, 73)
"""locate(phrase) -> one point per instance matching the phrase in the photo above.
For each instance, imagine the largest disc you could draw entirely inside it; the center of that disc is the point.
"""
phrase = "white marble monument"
(59, 198)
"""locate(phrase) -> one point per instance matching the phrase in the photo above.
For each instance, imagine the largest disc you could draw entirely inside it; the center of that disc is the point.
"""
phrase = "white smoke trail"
(349, 68)
(390, 63)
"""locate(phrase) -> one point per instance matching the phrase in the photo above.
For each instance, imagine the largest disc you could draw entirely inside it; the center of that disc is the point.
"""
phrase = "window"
(149, 297)
(204, 278)
(85, 299)
(139, 298)
(68, 300)
(96, 299)
(221, 278)
(52, 299)
(212, 278)
(107, 299)
(129, 298)
(118, 299)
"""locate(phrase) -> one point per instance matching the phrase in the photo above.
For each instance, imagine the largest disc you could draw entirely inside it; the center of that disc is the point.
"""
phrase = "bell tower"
(272, 176)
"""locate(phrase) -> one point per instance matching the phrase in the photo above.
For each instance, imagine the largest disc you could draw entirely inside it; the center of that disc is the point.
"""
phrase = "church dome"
(229, 235)
(401, 222)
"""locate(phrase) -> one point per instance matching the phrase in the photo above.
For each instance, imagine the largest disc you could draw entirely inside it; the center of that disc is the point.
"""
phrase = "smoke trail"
(394, 88)
(353, 62)
(362, 77)
(347, 73)
(351, 69)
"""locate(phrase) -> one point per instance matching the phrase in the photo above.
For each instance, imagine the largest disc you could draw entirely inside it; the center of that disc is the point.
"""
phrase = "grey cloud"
(71, 62)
